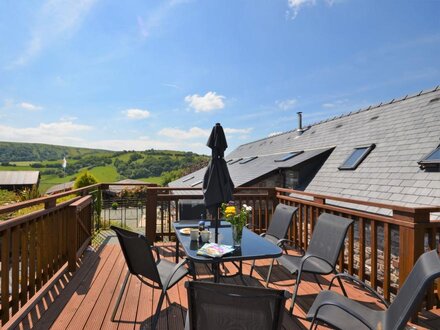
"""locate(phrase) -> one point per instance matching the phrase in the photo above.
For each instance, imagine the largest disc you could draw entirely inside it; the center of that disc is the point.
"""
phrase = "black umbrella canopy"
(217, 184)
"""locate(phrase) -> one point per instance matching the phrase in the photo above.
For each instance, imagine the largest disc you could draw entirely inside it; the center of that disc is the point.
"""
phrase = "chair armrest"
(340, 306)
(362, 284)
(310, 256)
(283, 241)
(175, 269)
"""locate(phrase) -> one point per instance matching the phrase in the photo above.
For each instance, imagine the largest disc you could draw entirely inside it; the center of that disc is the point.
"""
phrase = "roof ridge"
(371, 107)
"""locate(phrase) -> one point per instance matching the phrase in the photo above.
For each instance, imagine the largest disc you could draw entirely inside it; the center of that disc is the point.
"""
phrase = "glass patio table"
(252, 246)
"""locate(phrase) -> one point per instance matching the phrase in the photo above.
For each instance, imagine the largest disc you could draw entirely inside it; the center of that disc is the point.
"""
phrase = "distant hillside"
(158, 166)
(18, 152)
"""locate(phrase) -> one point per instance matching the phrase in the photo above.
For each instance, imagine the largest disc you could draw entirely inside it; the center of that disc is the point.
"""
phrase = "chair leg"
(158, 308)
(177, 250)
(252, 268)
(317, 281)
(270, 272)
(342, 286)
(295, 292)
(124, 284)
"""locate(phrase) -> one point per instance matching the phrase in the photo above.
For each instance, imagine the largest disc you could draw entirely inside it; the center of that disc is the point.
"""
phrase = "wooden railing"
(381, 249)
(35, 246)
(162, 208)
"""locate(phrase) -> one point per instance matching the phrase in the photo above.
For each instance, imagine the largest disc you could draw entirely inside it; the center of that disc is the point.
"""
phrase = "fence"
(35, 246)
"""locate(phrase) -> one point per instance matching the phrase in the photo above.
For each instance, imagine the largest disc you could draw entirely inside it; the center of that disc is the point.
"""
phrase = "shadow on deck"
(85, 299)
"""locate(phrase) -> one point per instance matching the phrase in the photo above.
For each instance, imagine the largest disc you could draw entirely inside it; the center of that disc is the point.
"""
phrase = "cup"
(205, 234)
(194, 234)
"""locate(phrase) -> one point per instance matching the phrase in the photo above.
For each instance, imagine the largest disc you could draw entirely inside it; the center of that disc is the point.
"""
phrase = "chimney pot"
(300, 127)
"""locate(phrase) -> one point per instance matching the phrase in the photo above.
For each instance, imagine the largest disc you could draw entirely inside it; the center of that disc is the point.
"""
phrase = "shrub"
(115, 205)
(85, 179)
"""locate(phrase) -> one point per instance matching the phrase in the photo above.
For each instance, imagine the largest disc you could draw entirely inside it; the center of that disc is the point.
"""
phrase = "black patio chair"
(138, 253)
(322, 253)
(278, 227)
(191, 211)
(216, 306)
(338, 311)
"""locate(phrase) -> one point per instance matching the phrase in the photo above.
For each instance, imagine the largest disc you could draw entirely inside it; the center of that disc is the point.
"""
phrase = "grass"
(153, 179)
(105, 173)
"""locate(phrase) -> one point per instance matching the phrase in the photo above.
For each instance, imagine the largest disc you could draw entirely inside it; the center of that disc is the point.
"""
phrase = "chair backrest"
(328, 237)
(221, 306)
(410, 295)
(281, 220)
(138, 255)
(191, 209)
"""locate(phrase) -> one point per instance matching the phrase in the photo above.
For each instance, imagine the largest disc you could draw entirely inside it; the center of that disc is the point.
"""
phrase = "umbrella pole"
(216, 226)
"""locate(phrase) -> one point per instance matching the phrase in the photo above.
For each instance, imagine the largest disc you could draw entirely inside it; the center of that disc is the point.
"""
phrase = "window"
(188, 178)
(247, 160)
(196, 183)
(356, 157)
(431, 160)
(235, 161)
(287, 156)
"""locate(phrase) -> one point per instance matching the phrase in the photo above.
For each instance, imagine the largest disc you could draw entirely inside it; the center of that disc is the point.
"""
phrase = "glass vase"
(237, 233)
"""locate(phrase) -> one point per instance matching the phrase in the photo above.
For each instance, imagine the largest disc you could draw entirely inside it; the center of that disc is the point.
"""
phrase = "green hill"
(107, 166)
(18, 152)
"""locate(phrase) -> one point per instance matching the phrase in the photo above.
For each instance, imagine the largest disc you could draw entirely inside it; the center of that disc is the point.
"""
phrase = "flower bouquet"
(237, 219)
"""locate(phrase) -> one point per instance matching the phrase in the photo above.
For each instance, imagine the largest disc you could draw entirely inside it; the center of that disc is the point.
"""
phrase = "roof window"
(188, 178)
(247, 160)
(431, 160)
(196, 183)
(235, 161)
(287, 156)
(356, 157)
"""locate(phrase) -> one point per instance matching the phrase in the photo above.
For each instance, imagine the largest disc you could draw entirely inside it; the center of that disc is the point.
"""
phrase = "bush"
(115, 205)
(85, 179)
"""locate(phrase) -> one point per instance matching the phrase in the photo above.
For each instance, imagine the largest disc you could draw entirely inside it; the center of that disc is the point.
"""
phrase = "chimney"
(300, 125)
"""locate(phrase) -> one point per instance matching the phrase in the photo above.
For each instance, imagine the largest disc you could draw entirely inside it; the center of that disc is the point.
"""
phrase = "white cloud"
(296, 5)
(61, 132)
(209, 102)
(144, 143)
(56, 19)
(274, 134)
(338, 103)
(237, 130)
(156, 16)
(136, 113)
(193, 132)
(287, 104)
(29, 106)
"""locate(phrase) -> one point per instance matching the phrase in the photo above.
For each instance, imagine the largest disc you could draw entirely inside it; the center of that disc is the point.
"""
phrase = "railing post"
(411, 241)
(72, 226)
(151, 214)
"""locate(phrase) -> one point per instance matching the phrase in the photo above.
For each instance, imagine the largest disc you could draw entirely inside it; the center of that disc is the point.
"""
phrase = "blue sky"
(159, 74)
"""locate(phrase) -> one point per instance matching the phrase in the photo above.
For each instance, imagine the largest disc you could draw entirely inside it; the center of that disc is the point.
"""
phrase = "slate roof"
(18, 178)
(404, 130)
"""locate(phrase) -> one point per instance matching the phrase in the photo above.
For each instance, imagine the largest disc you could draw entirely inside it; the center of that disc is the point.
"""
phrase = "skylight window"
(188, 178)
(356, 157)
(287, 156)
(235, 161)
(196, 183)
(247, 160)
(431, 160)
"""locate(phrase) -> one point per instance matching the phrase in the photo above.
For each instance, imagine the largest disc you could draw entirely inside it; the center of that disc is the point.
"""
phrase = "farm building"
(19, 180)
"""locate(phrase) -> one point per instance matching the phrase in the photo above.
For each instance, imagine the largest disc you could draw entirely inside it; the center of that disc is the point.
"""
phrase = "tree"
(85, 179)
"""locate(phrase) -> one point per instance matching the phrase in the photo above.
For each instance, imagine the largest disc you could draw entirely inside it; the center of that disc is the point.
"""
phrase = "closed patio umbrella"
(217, 184)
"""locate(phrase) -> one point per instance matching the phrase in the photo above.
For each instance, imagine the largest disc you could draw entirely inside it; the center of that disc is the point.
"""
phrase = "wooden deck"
(85, 299)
